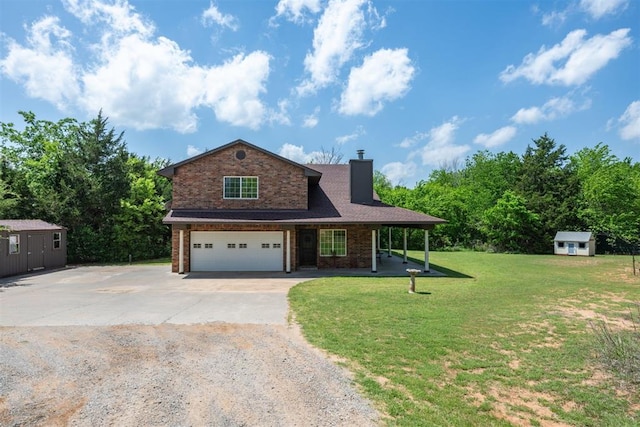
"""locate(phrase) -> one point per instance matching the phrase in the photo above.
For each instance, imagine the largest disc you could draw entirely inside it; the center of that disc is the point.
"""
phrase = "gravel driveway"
(166, 374)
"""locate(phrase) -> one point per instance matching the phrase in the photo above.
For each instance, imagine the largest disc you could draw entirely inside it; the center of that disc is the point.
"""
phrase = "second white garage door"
(236, 251)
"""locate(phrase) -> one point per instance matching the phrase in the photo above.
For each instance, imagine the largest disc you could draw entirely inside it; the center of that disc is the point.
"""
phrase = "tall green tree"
(550, 189)
(509, 225)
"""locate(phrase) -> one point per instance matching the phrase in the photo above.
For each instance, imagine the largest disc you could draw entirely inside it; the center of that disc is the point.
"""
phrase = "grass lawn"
(511, 344)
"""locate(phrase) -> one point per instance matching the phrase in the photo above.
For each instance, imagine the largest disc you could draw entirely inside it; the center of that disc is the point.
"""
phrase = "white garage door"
(236, 251)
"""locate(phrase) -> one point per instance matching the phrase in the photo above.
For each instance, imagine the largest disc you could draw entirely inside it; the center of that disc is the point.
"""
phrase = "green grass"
(506, 340)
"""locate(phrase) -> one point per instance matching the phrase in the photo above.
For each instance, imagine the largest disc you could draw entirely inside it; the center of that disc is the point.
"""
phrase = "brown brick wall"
(358, 244)
(199, 184)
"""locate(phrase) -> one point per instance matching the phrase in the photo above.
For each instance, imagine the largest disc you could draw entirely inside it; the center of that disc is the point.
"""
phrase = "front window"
(333, 242)
(561, 244)
(14, 244)
(57, 240)
(240, 187)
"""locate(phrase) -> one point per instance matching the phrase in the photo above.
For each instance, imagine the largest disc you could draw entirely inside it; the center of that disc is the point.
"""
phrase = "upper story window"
(240, 187)
(14, 244)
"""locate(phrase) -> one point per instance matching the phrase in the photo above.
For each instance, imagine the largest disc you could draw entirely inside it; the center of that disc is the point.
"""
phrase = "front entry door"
(35, 252)
(308, 247)
(572, 249)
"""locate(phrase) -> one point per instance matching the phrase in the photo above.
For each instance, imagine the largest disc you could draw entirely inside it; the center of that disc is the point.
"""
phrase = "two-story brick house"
(241, 208)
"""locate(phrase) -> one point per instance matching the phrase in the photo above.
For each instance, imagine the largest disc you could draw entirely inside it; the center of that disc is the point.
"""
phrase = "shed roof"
(28, 225)
(573, 236)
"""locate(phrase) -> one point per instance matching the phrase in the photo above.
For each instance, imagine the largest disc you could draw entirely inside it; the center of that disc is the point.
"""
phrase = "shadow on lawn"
(449, 273)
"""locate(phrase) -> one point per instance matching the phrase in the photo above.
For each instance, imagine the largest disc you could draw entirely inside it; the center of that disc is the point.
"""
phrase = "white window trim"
(333, 230)
(17, 244)
(224, 188)
(59, 240)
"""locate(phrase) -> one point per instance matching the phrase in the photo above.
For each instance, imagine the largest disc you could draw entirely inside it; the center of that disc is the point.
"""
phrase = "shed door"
(35, 251)
(571, 248)
(236, 251)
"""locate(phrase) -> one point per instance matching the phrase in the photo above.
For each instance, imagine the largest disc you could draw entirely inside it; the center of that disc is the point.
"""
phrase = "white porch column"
(426, 251)
(374, 252)
(389, 251)
(288, 261)
(181, 253)
(404, 246)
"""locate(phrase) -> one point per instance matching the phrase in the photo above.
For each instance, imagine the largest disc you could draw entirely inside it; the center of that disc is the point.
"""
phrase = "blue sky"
(417, 84)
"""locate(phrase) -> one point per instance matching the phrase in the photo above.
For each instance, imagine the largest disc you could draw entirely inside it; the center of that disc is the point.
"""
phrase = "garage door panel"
(236, 251)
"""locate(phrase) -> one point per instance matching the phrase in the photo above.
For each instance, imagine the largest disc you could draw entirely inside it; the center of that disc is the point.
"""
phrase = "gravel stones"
(172, 375)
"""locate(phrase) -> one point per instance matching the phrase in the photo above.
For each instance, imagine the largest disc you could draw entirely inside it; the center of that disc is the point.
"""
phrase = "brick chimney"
(361, 179)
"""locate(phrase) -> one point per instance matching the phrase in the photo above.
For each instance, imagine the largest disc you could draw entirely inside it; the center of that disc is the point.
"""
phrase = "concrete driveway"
(149, 294)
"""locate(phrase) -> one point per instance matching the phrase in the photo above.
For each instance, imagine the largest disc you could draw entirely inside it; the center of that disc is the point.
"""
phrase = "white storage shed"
(581, 243)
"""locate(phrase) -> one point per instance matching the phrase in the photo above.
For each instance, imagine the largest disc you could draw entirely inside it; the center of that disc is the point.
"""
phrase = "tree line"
(511, 203)
(80, 175)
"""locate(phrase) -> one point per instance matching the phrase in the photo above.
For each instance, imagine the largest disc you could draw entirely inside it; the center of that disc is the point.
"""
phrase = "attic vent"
(240, 154)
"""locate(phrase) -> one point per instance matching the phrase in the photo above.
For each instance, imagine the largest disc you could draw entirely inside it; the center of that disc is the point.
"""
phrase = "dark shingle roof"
(28, 225)
(329, 202)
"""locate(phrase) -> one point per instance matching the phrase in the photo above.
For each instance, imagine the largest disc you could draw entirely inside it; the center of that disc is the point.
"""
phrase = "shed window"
(581, 245)
(240, 187)
(57, 240)
(333, 242)
(561, 244)
(14, 244)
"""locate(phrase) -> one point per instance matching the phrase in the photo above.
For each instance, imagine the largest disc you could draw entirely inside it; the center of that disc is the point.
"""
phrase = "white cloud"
(410, 141)
(441, 148)
(497, 138)
(554, 18)
(281, 116)
(335, 39)
(311, 120)
(630, 122)
(398, 172)
(45, 67)
(193, 151)
(352, 136)
(571, 62)
(384, 76)
(550, 110)
(295, 10)
(599, 8)
(297, 154)
(138, 80)
(213, 16)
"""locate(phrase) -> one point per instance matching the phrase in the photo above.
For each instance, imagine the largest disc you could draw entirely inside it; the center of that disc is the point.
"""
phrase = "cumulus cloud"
(193, 151)
(212, 15)
(337, 36)
(45, 65)
(599, 8)
(296, 10)
(352, 136)
(399, 172)
(441, 147)
(496, 138)
(410, 141)
(554, 18)
(570, 62)
(630, 122)
(550, 110)
(137, 79)
(297, 153)
(384, 76)
(311, 120)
